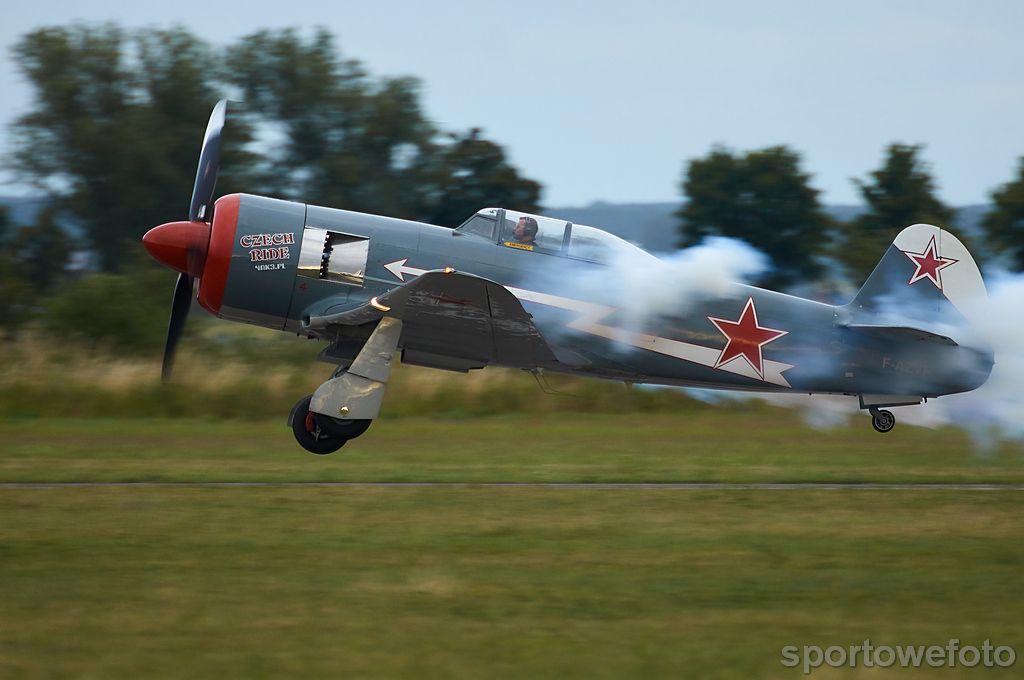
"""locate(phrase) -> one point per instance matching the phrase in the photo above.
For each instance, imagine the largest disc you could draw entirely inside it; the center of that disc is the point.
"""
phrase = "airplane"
(544, 295)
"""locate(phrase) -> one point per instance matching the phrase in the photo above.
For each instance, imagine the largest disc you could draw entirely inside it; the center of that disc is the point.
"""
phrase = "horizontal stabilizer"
(901, 333)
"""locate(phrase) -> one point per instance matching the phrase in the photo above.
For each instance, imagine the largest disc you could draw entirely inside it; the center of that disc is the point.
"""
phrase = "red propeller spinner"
(199, 250)
(179, 245)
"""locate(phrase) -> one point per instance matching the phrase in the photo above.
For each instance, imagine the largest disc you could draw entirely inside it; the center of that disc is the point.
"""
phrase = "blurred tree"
(40, 252)
(347, 141)
(899, 193)
(33, 260)
(13, 291)
(115, 127)
(760, 197)
(472, 173)
(15, 296)
(126, 312)
(1004, 224)
(362, 144)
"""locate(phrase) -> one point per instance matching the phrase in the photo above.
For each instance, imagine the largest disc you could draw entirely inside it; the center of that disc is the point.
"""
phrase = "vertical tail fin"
(926, 278)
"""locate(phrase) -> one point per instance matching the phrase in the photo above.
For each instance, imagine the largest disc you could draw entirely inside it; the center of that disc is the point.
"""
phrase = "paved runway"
(670, 486)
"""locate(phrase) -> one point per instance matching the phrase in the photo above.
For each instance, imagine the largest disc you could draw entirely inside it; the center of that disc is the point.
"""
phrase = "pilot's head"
(525, 230)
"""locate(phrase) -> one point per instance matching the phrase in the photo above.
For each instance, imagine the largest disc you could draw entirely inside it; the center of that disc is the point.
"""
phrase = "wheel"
(309, 432)
(882, 421)
(343, 429)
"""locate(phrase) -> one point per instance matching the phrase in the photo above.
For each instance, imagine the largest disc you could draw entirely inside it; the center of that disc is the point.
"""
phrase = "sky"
(607, 101)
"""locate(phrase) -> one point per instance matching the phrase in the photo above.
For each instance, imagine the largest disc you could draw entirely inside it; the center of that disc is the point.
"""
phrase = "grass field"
(469, 581)
(745, 443)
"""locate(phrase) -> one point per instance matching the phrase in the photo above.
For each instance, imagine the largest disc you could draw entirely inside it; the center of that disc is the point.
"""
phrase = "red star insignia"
(929, 264)
(746, 338)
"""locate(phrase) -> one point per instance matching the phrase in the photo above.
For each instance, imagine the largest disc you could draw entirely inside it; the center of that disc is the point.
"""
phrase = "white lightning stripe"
(591, 313)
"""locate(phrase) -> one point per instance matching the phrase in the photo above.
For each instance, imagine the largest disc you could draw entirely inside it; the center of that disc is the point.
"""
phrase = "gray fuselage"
(586, 314)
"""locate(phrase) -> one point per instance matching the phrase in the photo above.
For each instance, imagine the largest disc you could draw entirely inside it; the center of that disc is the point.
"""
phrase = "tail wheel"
(308, 431)
(883, 421)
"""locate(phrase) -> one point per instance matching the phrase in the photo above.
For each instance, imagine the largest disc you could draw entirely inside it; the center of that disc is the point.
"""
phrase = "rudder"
(925, 272)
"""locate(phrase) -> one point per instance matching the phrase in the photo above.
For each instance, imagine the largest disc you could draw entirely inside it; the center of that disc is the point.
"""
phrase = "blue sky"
(607, 100)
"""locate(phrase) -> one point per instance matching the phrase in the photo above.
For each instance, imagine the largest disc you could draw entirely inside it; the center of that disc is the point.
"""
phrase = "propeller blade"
(180, 304)
(209, 158)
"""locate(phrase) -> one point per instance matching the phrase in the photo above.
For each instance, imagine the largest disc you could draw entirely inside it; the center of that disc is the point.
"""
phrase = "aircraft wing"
(451, 320)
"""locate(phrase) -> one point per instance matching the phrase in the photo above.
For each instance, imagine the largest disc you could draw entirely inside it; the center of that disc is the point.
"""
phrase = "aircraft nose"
(179, 245)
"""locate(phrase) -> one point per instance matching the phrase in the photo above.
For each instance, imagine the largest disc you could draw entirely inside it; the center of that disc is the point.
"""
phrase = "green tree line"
(112, 137)
(764, 198)
(114, 130)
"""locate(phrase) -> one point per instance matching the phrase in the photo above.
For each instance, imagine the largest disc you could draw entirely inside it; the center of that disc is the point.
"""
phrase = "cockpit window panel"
(597, 245)
(480, 225)
(548, 238)
(554, 236)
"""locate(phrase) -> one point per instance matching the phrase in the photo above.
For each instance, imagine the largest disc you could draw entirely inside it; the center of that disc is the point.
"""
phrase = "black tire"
(309, 431)
(883, 421)
(343, 429)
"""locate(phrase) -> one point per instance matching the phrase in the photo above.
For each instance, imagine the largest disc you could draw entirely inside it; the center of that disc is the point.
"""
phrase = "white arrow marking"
(399, 269)
(591, 313)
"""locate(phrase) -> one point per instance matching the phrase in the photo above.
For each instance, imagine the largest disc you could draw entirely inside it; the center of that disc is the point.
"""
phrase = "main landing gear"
(322, 434)
(882, 420)
(344, 407)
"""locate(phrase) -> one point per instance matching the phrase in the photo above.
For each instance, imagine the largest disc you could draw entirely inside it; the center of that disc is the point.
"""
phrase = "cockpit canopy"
(553, 236)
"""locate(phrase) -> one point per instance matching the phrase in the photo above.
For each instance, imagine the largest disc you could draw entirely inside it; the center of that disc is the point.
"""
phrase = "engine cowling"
(245, 259)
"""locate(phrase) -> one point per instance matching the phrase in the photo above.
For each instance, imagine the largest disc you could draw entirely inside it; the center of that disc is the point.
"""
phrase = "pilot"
(525, 231)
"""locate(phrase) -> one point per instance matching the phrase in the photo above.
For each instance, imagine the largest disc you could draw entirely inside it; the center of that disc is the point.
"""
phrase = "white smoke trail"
(644, 287)
(991, 413)
(673, 283)
(996, 409)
